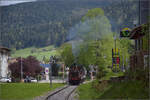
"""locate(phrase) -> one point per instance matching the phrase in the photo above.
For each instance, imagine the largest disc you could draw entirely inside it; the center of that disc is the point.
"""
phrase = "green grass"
(120, 90)
(39, 53)
(126, 90)
(20, 91)
(86, 92)
(110, 74)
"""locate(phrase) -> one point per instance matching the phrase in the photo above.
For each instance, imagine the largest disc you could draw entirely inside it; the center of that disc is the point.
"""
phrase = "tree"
(95, 30)
(30, 65)
(67, 54)
(94, 26)
(97, 53)
(92, 13)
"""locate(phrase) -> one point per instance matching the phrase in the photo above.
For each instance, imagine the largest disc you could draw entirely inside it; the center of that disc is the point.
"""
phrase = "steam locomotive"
(77, 74)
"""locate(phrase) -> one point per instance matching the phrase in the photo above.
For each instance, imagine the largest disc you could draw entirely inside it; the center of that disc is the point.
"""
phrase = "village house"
(4, 57)
(140, 34)
(140, 57)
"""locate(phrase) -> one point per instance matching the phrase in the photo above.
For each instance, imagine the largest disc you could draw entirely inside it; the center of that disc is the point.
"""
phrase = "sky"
(11, 2)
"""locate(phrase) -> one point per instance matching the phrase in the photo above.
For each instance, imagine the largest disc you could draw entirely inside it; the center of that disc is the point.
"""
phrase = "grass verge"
(120, 90)
(24, 91)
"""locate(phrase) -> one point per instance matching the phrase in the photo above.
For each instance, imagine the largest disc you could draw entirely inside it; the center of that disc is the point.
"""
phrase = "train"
(77, 74)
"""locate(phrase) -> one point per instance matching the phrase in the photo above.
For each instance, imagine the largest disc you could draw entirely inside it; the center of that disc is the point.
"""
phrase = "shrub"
(138, 74)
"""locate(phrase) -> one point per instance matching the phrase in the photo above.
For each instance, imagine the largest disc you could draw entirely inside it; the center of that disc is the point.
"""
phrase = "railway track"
(62, 94)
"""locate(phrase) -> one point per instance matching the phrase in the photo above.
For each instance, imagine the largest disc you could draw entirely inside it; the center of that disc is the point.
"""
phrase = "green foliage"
(40, 23)
(95, 31)
(93, 13)
(67, 55)
(94, 27)
(21, 91)
(125, 46)
(104, 90)
(126, 90)
(139, 74)
(86, 92)
(110, 73)
(97, 53)
(45, 23)
(122, 13)
(145, 31)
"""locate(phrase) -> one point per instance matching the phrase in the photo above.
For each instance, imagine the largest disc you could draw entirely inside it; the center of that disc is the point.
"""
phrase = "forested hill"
(48, 22)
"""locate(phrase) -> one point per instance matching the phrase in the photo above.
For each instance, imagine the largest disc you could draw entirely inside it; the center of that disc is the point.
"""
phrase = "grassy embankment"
(116, 90)
(39, 53)
(20, 91)
(124, 90)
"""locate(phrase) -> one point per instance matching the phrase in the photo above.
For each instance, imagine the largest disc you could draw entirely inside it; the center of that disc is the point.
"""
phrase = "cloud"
(11, 2)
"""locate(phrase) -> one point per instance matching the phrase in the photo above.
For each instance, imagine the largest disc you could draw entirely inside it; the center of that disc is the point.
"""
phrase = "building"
(46, 71)
(140, 57)
(140, 34)
(4, 56)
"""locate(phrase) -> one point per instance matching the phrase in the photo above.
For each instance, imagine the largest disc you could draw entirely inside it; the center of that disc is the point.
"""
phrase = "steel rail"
(56, 92)
(67, 98)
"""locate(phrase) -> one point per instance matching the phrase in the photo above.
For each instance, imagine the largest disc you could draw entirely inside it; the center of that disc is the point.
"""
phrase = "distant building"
(12, 60)
(4, 56)
(46, 71)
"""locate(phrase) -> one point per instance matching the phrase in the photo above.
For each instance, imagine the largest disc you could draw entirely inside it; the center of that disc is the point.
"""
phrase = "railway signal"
(125, 32)
(115, 59)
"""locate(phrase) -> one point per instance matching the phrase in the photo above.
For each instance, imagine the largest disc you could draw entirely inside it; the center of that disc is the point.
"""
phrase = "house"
(4, 56)
(140, 57)
(140, 35)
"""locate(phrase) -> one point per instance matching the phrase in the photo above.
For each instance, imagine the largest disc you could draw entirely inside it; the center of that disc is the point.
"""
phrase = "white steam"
(89, 30)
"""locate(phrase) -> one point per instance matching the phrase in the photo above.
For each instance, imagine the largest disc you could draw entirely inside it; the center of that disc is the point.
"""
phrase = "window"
(145, 61)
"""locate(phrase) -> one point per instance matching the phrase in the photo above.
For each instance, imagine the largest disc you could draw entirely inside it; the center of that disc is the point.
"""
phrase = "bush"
(100, 86)
(101, 73)
(138, 74)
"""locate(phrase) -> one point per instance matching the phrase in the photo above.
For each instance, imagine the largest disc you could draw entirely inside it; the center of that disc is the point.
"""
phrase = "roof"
(137, 32)
(4, 48)
(45, 65)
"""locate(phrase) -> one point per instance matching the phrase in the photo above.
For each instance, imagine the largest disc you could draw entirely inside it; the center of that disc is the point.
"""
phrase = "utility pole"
(139, 12)
(21, 70)
(50, 71)
(63, 72)
(115, 55)
(1, 27)
(126, 63)
(123, 61)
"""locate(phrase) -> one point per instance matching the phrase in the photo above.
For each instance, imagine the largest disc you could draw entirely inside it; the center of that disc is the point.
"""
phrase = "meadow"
(24, 91)
(39, 53)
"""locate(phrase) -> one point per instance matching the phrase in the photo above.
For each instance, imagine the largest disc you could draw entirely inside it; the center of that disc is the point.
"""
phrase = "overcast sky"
(10, 2)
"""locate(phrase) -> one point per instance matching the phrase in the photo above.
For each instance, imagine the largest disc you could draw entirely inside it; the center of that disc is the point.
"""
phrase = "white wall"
(3, 65)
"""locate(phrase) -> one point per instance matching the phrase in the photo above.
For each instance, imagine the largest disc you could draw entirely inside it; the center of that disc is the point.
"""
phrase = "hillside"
(39, 53)
(48, 22)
